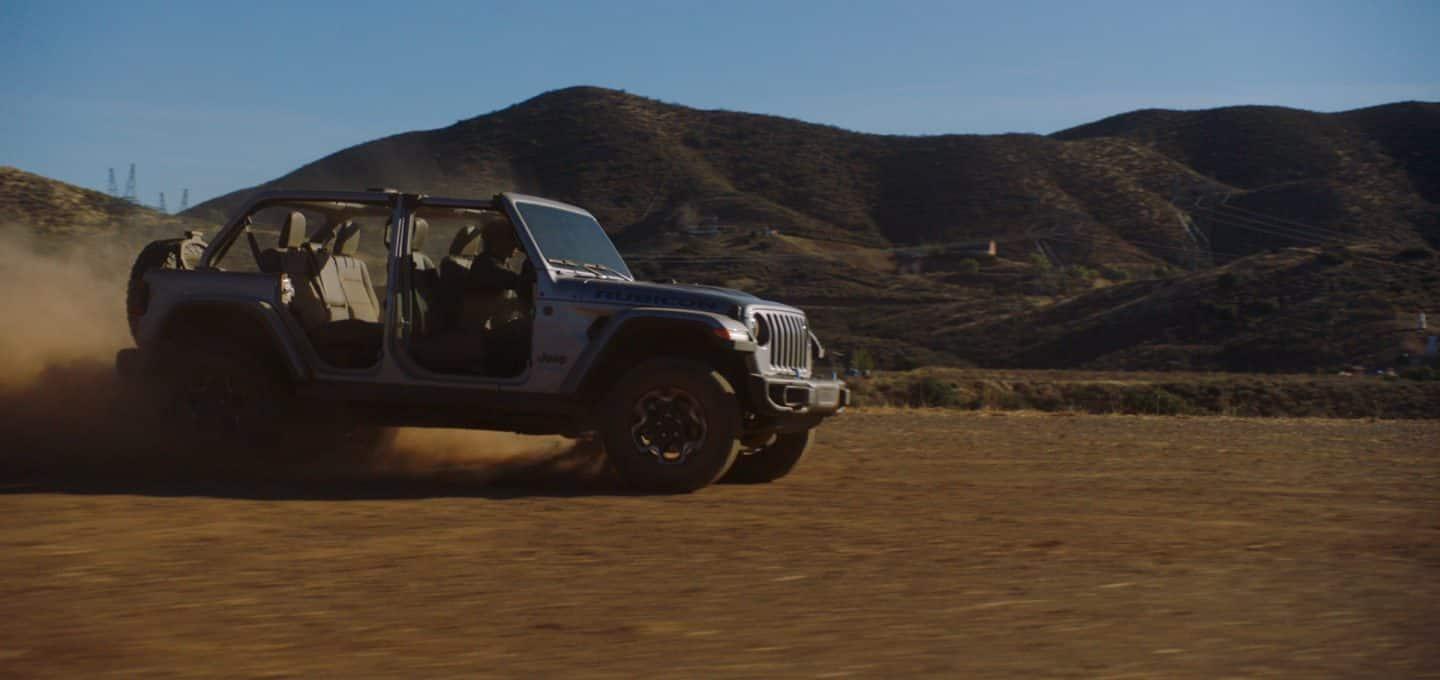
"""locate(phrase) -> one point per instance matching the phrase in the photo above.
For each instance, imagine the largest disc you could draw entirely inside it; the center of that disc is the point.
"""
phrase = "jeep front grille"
(789, 340)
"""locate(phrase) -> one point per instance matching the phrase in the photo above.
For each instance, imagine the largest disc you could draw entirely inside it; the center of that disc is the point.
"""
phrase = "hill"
(1290, 310)
(1146, 187)
(1153, 239)
(41, 206)
(1370, 174)
(646, 168)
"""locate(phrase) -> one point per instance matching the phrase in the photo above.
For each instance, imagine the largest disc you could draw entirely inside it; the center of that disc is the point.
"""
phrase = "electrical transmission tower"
(162, 203)
(112, 188)
(184, 199)
(130, 194)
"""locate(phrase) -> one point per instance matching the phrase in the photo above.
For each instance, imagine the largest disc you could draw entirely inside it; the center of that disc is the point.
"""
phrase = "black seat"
(454, 273)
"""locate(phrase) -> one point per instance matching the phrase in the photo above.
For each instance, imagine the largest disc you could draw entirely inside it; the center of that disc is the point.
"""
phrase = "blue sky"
(217, 97)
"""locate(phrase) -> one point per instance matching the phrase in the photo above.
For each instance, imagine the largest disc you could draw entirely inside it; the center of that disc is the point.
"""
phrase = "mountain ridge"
(1153, 239)
(1110, 188)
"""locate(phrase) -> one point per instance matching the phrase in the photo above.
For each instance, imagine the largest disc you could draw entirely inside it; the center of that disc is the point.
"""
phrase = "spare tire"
(170, 253)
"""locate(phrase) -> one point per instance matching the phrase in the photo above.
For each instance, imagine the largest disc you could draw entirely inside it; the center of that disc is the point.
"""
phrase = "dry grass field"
(961, 544)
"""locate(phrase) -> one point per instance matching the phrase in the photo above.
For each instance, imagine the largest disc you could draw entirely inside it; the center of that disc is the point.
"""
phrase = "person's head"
(499, 236)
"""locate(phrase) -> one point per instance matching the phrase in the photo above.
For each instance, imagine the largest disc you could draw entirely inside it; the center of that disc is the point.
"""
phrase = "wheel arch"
(637, 335)
(252, 324)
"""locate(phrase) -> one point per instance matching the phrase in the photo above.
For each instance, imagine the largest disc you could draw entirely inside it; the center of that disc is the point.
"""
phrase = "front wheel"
(770, 461)
(670, 426)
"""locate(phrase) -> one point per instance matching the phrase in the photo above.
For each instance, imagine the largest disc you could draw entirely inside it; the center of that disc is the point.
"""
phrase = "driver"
(495, 275)
(499, 289)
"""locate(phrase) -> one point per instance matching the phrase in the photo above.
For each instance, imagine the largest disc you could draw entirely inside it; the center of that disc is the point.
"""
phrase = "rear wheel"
(230, 397)
(670, 425)
(770, 461)
(222, 394)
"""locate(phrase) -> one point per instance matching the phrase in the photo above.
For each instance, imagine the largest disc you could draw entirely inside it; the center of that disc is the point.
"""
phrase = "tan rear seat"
(333, 286)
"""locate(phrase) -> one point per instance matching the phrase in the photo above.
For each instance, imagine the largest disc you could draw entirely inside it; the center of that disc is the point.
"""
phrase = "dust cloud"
(58, 308)
(65, 414)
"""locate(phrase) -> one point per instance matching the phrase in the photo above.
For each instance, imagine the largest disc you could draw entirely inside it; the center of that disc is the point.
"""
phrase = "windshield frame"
(556, 263)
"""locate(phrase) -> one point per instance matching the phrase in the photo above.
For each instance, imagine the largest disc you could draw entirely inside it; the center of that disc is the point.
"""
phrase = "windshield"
(572, 239)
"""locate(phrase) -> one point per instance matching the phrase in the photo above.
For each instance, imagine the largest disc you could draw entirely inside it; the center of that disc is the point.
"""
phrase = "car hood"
(646, 294)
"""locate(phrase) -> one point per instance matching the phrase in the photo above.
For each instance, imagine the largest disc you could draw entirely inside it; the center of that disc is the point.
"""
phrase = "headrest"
(422, 232)
(347, 242)
(292, 232)
(496, 229)
(466, 242)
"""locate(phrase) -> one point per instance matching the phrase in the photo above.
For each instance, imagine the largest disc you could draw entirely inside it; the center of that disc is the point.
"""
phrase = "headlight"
(760, 330)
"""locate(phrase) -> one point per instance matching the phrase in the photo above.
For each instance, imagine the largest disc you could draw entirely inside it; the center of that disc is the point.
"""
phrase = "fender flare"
(736, 337)
(278, 330)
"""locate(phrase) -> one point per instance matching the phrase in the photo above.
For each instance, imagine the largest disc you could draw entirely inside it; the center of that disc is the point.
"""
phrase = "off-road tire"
(676, 384)
(221, 395)
(771, 461)
(258, 414)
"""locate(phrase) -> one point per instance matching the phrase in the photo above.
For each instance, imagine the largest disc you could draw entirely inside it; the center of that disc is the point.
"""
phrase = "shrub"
(969, 267)
(1413, 254)
(1154, 401)
(861, 360)
(1420, 373)
(1218, 310)
(1164, 271)
(1114, 273)
(1264, 307)
(1334, 255)
(932, 391)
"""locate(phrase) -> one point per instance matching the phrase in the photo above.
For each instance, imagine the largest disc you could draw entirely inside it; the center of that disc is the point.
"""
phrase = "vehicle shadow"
(564, 475)
(75, 430)
(301, 490)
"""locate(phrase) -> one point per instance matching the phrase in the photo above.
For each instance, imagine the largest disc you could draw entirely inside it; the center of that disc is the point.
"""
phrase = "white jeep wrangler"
(531, 322)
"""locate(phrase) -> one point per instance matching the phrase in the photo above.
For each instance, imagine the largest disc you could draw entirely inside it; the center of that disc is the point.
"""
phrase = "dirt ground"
(909, 543)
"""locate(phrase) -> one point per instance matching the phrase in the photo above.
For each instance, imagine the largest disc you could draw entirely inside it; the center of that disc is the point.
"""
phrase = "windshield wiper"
(572, 265)
(605, 269)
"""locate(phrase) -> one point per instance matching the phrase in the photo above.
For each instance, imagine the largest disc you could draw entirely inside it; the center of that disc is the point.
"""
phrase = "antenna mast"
(184, 199)
(162, 203)
(130, 194)
(113, 187)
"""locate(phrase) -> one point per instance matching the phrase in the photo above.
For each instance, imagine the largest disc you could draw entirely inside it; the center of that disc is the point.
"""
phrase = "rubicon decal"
(657, 299)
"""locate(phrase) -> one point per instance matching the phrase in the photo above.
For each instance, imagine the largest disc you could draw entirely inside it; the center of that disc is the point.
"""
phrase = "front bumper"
(785, 398)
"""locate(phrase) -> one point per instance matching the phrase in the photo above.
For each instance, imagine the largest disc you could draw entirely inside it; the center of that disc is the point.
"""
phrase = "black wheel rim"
(668, 425)
(216, 403)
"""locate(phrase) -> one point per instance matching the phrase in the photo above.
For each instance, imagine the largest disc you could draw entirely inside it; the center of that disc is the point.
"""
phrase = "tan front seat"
(354, 276)
(286, 257)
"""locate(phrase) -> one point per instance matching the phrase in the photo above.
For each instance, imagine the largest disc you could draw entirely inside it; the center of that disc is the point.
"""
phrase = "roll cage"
(402, 207)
